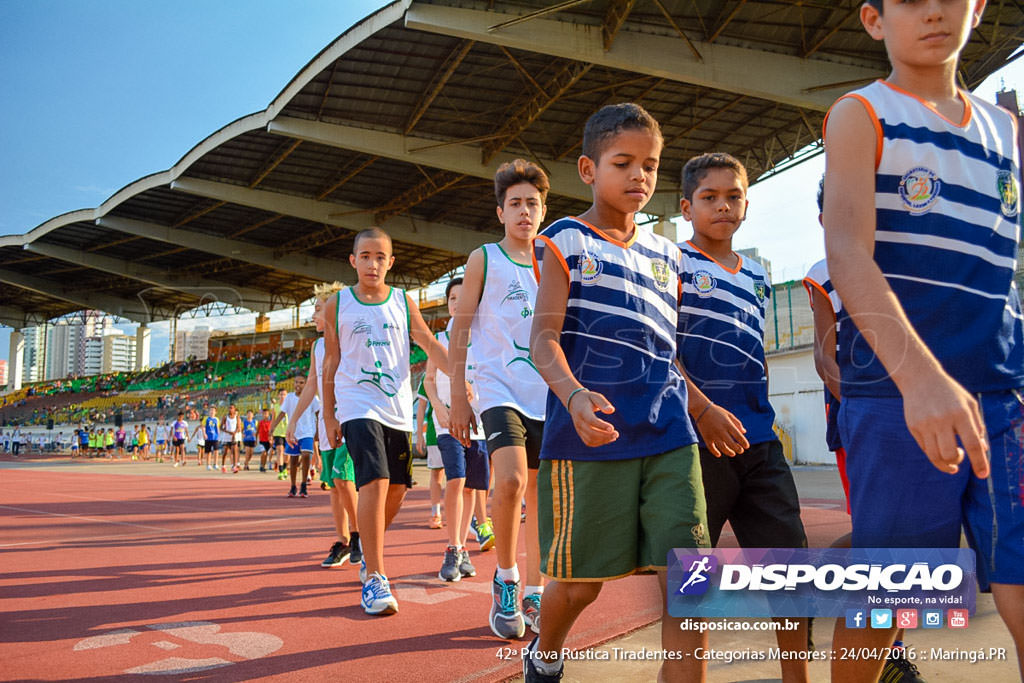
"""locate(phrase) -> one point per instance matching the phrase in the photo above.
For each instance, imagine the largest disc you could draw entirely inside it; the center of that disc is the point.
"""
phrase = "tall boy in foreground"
(496, 305)
(721, 348)
(617, 492)
(366, 335)
(921, 233)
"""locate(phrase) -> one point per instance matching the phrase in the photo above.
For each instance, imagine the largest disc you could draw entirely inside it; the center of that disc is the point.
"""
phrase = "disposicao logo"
(697, 581)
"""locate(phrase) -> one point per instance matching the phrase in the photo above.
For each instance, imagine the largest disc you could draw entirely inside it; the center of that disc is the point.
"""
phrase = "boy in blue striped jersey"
(721, 349)
(619, 479)
(921, 233)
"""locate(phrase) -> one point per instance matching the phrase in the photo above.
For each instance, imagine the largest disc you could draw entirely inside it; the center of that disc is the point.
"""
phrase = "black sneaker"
(357, 549)
(302, 490)
(899, 669)
(291, 492)
(339, 553)
(530, 672)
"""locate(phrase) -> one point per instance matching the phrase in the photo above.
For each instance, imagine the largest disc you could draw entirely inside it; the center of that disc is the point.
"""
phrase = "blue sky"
(99, 94)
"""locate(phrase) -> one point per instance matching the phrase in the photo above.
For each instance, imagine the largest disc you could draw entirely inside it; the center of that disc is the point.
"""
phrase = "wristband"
(574, 392)
(697, 419)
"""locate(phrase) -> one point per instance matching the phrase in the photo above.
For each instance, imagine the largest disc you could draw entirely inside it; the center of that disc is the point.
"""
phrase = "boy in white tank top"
(369, 341)
(496, 303)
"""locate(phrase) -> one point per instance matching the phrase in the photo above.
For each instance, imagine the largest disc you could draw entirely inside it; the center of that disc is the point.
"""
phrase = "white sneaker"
(377, 597)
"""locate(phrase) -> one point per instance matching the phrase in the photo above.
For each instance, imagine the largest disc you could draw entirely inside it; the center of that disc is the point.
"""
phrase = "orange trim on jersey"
(549, 245)
(810, 285)
(624, 245)
(874, 121)
(732, 271)
(963, 98)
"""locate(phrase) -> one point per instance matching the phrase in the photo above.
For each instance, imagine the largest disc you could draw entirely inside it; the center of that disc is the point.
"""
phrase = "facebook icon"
(856, 618)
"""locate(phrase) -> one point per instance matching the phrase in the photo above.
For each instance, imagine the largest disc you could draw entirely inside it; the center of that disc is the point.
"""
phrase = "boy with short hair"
(466, 469)
(302, 427)
(263, 433)
(921, 235)
(369, 402)
(179, 434)
(498, 294)
(211, 433)
(278, 434)
(249, 428)
(609, 290)
(721, 350)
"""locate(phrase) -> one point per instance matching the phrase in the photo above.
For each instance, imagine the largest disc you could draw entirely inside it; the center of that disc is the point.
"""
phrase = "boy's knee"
(580, 595)
(512, 485)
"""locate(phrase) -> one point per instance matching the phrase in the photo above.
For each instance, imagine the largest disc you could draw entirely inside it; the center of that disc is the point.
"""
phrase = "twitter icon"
(881, 618)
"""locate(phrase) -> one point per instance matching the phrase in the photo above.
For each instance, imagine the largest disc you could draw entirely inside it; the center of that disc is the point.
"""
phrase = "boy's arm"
(332, 357)
(424, 338)
(421, 437)
(305, 398)
(280, 416)
(721, 431)
(936, 408)
(548, 316)
(825, 340)
(430, 388)
(461, 421)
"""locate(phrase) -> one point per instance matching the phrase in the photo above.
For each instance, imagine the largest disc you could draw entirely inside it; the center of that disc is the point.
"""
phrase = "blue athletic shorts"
(898, 499)
(472, 463)
(304, 446)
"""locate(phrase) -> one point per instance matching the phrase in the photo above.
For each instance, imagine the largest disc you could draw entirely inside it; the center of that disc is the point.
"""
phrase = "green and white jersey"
(373, 372)
(443, 384)
(505, 374)
(318, 361)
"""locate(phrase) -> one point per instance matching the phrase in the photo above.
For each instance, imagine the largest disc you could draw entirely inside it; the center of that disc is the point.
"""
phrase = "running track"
(203, 577)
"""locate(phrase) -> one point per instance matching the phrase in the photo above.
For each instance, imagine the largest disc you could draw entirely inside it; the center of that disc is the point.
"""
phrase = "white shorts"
(434, 460)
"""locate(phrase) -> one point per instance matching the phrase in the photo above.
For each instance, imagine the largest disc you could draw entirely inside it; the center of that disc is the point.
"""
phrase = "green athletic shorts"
(606, 519)
(337, 464)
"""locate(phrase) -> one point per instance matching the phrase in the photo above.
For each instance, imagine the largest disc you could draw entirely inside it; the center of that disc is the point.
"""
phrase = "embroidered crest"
(659, 270)
(1009, 193)
(590, 270)
(704, 282)
(919, 189)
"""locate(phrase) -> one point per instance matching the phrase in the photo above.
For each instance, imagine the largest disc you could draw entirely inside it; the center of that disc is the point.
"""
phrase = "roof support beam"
(348, 216)
(19, 318)
(461, 158)
(202, 288)
(747, 71)
(298, 264)
(614, 18)
(437, 84)
(137, 310)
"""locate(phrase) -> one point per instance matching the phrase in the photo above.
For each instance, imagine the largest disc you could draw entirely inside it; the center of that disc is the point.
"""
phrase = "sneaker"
(450, 566)
(362, 571)
(263, 469)
(209, 467)
(246, 468)
(377, 597)
(281, 476)
(531, 611)
(291, 493)
(466, 567)
(506, 620)
(175, 464)
(530, 672)
(435, 522)
(339, 553)
(234, 470)
(302, 490)
(485, 535)
(899, 669)
(357, 549)
(224, 469)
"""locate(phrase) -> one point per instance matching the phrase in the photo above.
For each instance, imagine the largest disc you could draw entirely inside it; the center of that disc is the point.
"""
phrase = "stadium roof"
(402, 120)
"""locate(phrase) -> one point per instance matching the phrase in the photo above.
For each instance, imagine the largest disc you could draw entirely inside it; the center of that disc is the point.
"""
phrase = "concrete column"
(142, 335)
(16, 360)
(262, 323)
(666, 229)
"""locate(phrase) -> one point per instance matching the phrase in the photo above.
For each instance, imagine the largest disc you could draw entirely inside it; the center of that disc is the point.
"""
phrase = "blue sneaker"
(362, 572)
(531, 611)
(505, 619)
(377, 597)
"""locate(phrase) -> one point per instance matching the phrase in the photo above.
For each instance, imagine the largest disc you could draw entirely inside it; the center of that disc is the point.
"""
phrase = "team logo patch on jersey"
(361, 327)
(760, 289)
(1009, 193)
(704, 282)
(590, 270)
(659, 270)
(919, 189)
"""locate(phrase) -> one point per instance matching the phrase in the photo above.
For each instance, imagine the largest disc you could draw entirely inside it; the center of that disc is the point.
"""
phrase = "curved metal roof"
(401, 121)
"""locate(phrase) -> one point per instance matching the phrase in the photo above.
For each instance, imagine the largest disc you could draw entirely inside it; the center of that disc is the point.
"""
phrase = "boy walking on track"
(921, 234)
(366, 336)
(496, 306)
(619, 483)
(747, 480)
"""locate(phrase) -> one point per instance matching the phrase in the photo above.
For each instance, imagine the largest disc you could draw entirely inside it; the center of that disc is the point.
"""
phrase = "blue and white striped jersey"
(721, 337)
(618, 337)
(947, 227)
(817, 279)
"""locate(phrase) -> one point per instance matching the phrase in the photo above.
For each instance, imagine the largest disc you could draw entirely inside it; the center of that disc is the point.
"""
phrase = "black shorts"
(266, 446)
(178, 442)
(210, 446)
(756, 494)
(504, 426)
(279, 441)
(378, 452)
(249, 444)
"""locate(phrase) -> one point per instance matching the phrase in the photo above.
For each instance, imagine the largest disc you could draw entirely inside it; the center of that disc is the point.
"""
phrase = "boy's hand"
(938, 411)
(333, 430)
(289, 436)
(421, 441)
(443, 416)
(722, 432)
(593, 430)
(461, 421)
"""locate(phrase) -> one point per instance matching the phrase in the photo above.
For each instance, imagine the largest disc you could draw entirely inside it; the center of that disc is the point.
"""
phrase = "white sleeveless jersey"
(443, 385)
(505, 374)
(230, 425)
(373, 373)
(318, 363)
